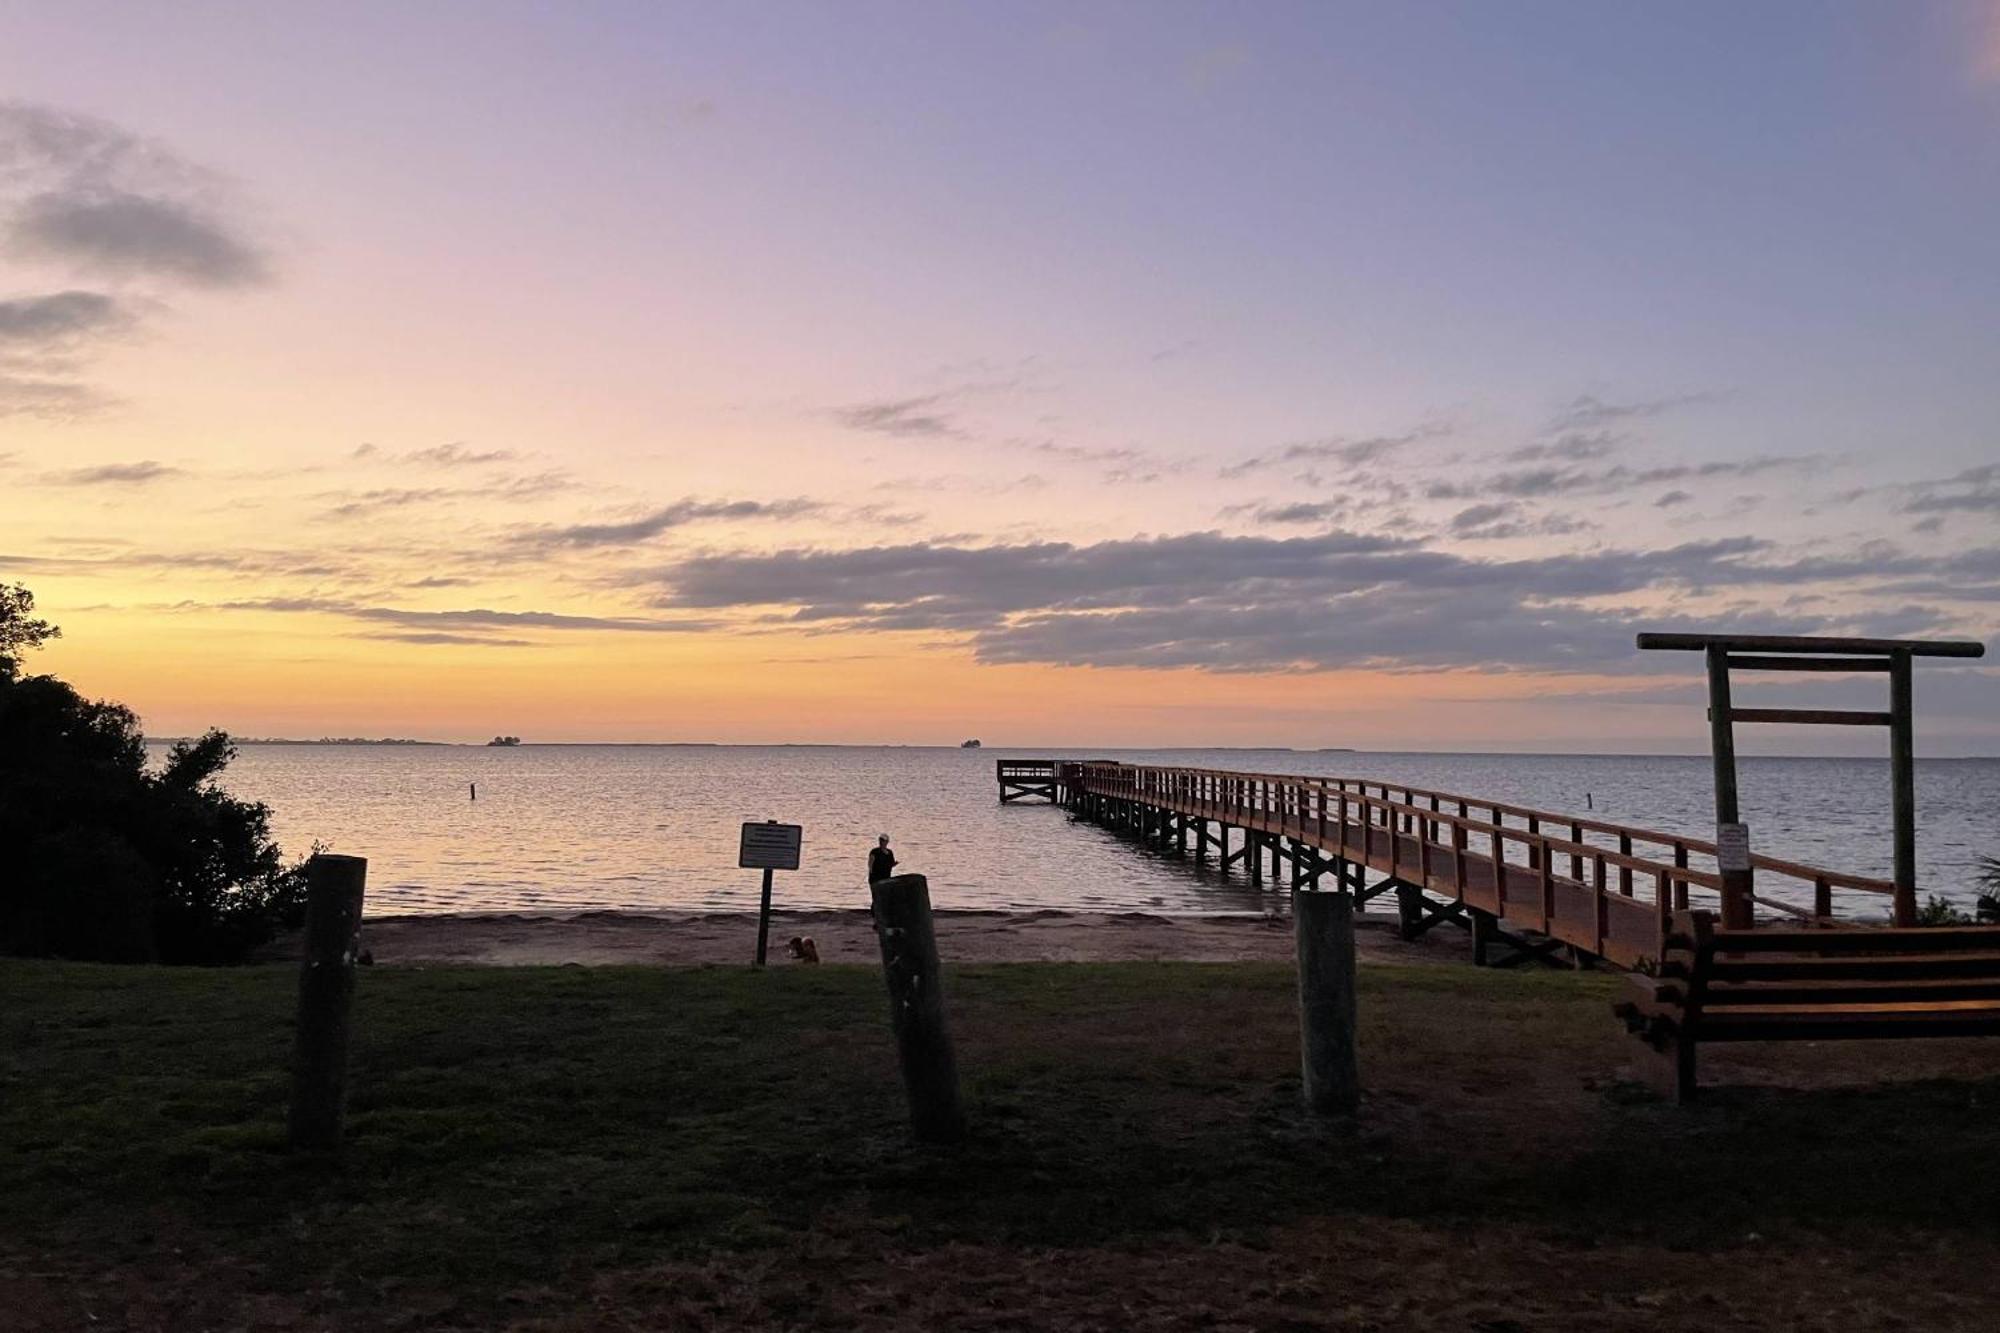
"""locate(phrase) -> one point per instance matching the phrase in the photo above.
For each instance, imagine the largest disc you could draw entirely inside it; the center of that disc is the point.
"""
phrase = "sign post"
(768, 846)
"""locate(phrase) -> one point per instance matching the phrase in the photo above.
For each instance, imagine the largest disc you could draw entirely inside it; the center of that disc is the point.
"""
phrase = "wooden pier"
(1024, 778)
(1534, 879)
(1536, 885)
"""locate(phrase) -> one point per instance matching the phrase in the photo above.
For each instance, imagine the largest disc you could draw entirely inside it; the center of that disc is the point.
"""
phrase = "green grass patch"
(515, 1127)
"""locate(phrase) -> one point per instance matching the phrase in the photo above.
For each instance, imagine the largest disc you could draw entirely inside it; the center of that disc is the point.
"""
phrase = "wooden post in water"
(1324, 926)
(916, 1006)
(334, 886)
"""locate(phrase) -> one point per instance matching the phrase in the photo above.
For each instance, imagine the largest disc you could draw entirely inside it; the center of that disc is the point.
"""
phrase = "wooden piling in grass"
(334, 888)
(916, 1006)
(1323, 924)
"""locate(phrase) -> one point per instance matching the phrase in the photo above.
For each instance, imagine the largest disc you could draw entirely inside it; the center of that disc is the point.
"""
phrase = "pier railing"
(1605, 886)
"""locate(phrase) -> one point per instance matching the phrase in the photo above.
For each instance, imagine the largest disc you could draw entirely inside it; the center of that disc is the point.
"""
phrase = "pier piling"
(334, 887)
(1323, 924)
(916, 1006)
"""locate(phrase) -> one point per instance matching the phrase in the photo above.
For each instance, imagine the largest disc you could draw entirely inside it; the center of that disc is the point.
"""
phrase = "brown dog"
(803, 949)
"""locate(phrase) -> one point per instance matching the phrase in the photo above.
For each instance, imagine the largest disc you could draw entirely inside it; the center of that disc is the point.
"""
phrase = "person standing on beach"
(881, 861)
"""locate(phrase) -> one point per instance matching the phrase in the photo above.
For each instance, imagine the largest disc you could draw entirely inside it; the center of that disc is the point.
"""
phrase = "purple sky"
(1320, 373)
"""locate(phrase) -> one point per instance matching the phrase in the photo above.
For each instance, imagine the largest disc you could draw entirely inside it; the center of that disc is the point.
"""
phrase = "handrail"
(1794, 869)
(1305, 797)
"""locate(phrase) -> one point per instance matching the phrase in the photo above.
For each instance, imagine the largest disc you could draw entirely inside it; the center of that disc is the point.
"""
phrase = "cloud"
(1531, 483)
(119, 234)
(383, 497)
(355, 504)
(1336, 449)
(457, 455)
(1672, 498)
(1337, 599)
(88, 197)
(1586, 412)
(1975, 490)
(678, 514)
(94, 197)
(1570, 446)
(1302, 511)
(440, 637)
(113, 474)
(1496, 520)
(51, 399)
(475, 618)
(901, 418)
(57, 321)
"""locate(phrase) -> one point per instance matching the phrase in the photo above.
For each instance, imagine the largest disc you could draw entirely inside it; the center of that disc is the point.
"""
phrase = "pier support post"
(1409, 910)
(916, 1006)
(334, 887)
(1324, 926)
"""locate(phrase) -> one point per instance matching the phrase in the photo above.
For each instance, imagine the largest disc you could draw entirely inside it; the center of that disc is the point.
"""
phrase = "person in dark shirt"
(881, 861)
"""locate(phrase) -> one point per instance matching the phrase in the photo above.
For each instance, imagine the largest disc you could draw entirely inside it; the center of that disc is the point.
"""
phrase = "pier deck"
(1605, 889)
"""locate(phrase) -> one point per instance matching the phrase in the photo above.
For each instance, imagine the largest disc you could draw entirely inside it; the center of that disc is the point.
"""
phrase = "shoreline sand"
(847, 936)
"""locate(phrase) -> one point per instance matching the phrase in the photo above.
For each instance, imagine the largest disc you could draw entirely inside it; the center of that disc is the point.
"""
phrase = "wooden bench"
(1811, 985)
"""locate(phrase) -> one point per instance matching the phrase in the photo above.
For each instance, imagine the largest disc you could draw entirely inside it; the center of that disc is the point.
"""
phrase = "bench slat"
(1859, 991)
(1904, 939)
(1793, 967)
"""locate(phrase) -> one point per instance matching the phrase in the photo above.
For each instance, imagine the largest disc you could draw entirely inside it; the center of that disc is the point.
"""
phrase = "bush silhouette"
(101, 858)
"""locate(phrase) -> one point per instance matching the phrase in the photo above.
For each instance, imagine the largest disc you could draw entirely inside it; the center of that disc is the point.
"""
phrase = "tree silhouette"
(102, 857)
(19, 630)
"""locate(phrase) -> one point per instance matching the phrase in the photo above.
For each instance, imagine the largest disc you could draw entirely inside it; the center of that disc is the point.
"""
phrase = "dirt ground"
(598, 938)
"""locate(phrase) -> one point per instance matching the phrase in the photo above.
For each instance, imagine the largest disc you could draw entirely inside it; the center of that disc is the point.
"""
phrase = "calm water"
(566, 828)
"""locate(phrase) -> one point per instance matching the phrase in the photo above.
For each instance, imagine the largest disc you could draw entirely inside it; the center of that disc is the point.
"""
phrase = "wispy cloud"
(647, 526)
(1975, 490)
(352, 504)
(1345, 450)
(1588, 412)
(113, 474)
(98, 199)
(1527, 483)
(474, 618)
(118, 234)
(97, 202)
(58, 321)
(444, 638)
(451, 455)
(50, 399)
(902, 418)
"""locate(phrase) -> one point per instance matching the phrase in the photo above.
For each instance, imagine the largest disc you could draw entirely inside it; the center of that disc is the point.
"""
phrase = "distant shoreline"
(1064, 751)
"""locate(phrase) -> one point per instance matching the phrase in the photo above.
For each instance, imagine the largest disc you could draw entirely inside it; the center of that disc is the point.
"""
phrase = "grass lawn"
(712, 1148)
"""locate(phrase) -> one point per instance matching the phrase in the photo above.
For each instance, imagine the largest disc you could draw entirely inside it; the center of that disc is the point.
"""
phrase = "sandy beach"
(696, 939)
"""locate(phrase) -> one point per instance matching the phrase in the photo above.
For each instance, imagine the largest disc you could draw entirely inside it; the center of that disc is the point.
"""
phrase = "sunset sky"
(1074, 374)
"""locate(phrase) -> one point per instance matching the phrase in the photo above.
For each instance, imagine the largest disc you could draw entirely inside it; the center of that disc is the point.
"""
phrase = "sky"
(1082, 374)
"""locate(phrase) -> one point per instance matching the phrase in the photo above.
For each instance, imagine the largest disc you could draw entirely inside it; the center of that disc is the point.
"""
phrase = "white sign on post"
(770, 846)
(1732, 847)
